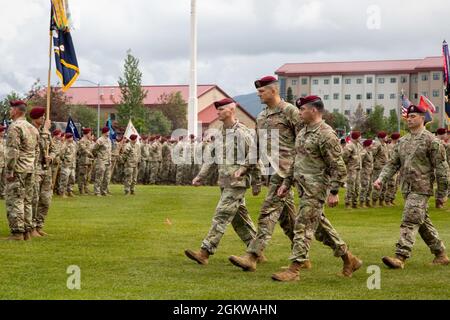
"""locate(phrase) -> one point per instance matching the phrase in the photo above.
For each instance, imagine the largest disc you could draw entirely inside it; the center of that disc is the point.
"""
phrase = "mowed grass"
(132, 248)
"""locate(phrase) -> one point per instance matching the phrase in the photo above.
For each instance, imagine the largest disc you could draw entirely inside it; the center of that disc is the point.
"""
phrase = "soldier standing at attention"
(443, 135)
(102, 154)
(68, 165)
(85, 161)
(366, 174)
(352, 159)
(319, 170)
(131, 158)
(21, 150)
(2, 162)
(421, 157)
(231, 207)
(279, 117)
(380, 158)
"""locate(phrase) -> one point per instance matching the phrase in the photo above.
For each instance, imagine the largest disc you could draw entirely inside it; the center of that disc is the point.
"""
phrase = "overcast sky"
(238, 40)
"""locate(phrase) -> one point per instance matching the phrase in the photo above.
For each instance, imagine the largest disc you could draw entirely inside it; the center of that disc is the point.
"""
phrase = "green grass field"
(126, 250)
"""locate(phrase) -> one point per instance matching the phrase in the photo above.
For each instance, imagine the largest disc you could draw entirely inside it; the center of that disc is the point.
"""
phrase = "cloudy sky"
(238, 40)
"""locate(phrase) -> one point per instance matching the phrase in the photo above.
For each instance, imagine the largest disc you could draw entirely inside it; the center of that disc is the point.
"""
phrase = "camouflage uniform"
(155, 157)
(144, 164)
(352, 159)
(284, 118)
(102, 154)
(231, 207)
(2, 168)
(181, 151)
(166, 163)
(131, 157)
(43, 192)
(84, 164)
(56, 163)
(318, 168)
(117, 170)
(366, 176)
(392, 184)
(380, 158)
(21, 150)
(68, 164)
(421, 157)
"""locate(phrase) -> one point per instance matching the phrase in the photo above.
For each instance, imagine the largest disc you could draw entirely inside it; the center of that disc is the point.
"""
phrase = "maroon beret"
(16, 103)
(416, 109)
(265, 81)
(133, 137)
(441, 131)
(143, 137)
(223, 102)
(395, 136)
(68, 135)
(367, 143)
(87, 130)
(302, 101)
(56, 132)
(382, 134)
(355, 135)
(105, 129)
(37, 112)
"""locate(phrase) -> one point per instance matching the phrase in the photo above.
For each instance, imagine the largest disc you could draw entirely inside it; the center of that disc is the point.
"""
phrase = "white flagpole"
(193, 101)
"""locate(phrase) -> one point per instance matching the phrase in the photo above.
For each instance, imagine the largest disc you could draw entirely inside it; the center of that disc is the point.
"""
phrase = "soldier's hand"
(239, 173)
(256, 189)
(377, 184)
(10, 177)
(47, 124)
(333, 200)
(196, 182)
(282, 191)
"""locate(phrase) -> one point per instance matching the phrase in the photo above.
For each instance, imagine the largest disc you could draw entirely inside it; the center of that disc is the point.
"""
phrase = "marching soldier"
(422, 159)
(102, 154)
(352, 159)
(68, 165)
(380, 158)
(366, 174)
(85, 161)
(155, 158)
(131, 158)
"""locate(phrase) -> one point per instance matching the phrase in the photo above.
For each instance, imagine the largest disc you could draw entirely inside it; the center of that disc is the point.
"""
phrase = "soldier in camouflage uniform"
(279, 117)
(166, 162)
(85, 161)
(421, 157)
(2, 162)
(180, 153)
(143, 164)
(68, 165)
(366, 174)
(319, 170)
(392, 184)
(57, 142)
(231, 207)
(352, 159)
(21, 150)
(443, 135)
(131, 157)
(43, 193)
(380, 158)
(155, 158)
(117, 171)
(102, 154)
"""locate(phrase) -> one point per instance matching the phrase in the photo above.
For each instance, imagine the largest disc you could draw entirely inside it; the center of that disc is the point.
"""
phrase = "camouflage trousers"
(391, 189)
(66, 180)
(2, 182)
(55, 176)
(154, 167)
(102, 177)
(230, 209)
(416, 220)
(311, 222)
(83, 177)
(274, 209)
(165, 171)
(378, 194)
(143, 175)
(180, 176)
(42, 198)
(353, 185)
(130, 179)
(19, 198)
(366, 187)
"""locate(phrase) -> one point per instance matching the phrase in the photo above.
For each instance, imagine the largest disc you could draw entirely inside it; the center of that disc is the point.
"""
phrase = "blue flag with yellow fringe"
(65, 57)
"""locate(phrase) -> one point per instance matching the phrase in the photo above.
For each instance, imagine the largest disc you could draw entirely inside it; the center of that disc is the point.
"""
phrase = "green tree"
(4, 105)
(359, 119)
(174, 108)
(290, 96)
(158, 123)
(132, 105)
(85, 115)
(376, 121)
(392, 122)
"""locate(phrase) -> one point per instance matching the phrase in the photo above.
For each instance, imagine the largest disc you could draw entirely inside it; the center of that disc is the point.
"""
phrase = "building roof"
(110, 95)
(361, 67)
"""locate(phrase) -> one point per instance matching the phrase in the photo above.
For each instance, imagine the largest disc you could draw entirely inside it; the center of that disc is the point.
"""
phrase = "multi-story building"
(344, 86)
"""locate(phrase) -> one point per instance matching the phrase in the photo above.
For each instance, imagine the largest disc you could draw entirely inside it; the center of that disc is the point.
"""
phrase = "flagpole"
(193, 101)
(49, 74)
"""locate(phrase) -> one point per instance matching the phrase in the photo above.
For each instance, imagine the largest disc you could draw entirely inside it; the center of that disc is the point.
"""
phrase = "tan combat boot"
(81, 192)
(261, 259)
(35, 234)
(27, 235)
(64, 195)
(70, 194)
(351, 264)
(41, 232)
(398, 262)
(368, 205)
(362, 205)
(347, 206)
(15, 236)
(381, 203)
(441, 259)
(290, 274)
(200, 257)
(247, 262)
(355, 206)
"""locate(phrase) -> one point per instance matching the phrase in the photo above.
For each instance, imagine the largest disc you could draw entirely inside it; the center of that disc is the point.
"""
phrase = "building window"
(369, 111)
(283, 88)
(380, 80)
(359, 81)
(336, 96)
(368, 96)
(369, 80)
(416, 96)
(425, 94)
(392, 96)
(304, 81)
(424, 77)
(326, 81)
(415, 79)
(347, 112)
(348, 97)
(381, 96)
(294, 82)
(403, 80)
(437, 110)
(316, 82)
(436, 76)
(326, 97)
(359, 97)
(435, 93)
(336, 80)
(336, 110)
(348, 81)
(393, 80)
